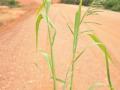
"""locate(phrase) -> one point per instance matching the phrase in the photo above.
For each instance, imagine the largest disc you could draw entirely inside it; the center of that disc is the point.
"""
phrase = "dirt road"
(22, 68)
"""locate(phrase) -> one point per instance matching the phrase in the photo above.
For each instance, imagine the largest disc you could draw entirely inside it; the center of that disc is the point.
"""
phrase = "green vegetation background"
(10, 3)
(108, 4)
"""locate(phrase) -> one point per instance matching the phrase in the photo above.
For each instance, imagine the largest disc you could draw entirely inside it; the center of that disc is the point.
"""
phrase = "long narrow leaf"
(95, 86)
(59, 80)
(47, 58)
(39, 18)
(108, 71)
(66, 77)
(47, 5)
(80, 54)
(39, 9)
(92, 22)
(70, 29)
(101, 46)
(76, 30)
(75, 40)
(107, 58)
(86, 31)
(53, 39)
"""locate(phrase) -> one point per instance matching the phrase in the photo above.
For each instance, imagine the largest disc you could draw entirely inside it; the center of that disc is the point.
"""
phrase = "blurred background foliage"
(108, 4)
(85, 2)
(10, 3)
(112, 4)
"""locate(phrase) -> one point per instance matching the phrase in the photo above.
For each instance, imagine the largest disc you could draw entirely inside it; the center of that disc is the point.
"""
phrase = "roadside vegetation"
(10, 3)
(112, 4)
(84, 2)
(107, 4)
(79, 19)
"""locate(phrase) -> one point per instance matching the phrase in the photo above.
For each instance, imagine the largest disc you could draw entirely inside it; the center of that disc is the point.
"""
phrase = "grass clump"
(76, 32)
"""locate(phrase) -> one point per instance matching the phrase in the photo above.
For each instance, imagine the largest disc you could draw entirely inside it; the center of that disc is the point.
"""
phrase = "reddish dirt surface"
(22, 68)
(25, 2)
(8, 15)
(11, 16)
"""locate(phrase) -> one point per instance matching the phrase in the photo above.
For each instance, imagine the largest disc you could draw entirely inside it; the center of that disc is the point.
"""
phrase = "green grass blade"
(77, 26)
(39, 18)
(76, 30)
(107, 57)
(47, 58)
(101, 46)
(77, 21)
(95, 86)
(47, 5)
(108, 71)
(75, 40)
(66, 77)
(53, 28)
(86, 31)
(53, 39)
(51, 24)
(59, 80)
(89, 22)
(79, 55)
(70, 29)
(39, 9)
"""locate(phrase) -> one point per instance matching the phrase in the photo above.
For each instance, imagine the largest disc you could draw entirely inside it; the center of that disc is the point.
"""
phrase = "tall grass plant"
(42, 14)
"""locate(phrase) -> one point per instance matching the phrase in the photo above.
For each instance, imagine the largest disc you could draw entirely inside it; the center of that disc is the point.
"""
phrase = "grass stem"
(51, 55)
